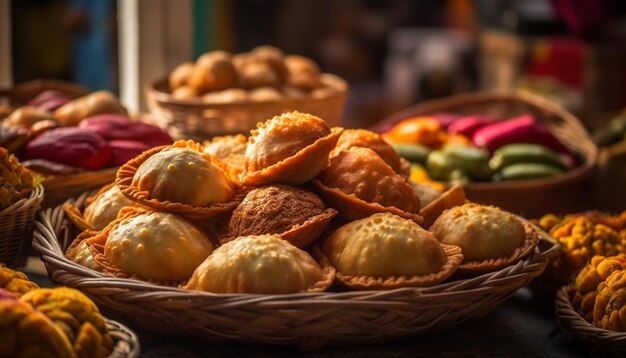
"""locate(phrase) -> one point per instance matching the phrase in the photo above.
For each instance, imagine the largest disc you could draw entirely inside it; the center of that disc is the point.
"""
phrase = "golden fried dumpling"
(387, 251)
(104, 207)
(374, 141)
(260, 264)
(489, 237)
(77, 316)
(359, 183)
(297, 215)
(25, 332)
(178, 178)
(80, 253)
(291, 148)
(155, 246)
(231, 150)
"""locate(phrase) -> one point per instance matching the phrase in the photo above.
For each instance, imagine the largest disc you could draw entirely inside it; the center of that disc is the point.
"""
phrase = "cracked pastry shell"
(152, 246)
(386, 251)
(290, 149)
(374, 141)
(358, 183)
(297, 215)
(101, 208)
(179, 178)
(263, 264)
(490, 238)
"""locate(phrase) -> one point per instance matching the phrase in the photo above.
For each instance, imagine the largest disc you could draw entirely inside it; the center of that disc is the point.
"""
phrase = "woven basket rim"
(34, 197)
(126, 341)
(165, 98)
(579, 173)
(574, 324)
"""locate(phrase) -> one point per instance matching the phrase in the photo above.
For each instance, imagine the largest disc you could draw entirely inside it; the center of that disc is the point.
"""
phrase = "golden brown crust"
(126, 174)
(354, 208)
(296, 169)
(374, 141)
(476, 267)
(297, 215)
(76, 217)
(109, 254)
(454, 258)
(361, 172)
(262, 264)
(450, 198)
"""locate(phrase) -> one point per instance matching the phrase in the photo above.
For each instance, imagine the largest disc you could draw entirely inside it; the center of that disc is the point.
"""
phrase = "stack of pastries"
(295, 207)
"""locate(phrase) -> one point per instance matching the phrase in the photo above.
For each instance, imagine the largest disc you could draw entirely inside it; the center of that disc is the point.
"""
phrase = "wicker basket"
(125, 340)
(309, 320)
(61, 187)
(573, 324)
(532, 198)
(16, 227)
(198, 120)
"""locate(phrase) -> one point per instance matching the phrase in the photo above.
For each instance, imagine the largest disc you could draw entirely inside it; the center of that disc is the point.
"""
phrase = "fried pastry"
(152, 246)
(386, 251)
(374, 141)
(291, 149)
(298, 216)
(101, 208)
(179, 178)
(15, 282)
(263, 264)
(231, 150)
(359, 183)
(489, 237)
(80, 253)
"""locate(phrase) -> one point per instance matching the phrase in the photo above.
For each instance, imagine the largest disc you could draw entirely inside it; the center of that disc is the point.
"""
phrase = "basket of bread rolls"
(224, 93)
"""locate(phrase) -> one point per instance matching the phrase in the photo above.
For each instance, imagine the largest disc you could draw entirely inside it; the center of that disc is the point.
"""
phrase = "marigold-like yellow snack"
(260, 264)
(25, 332)
(15, 281)
(77, 316)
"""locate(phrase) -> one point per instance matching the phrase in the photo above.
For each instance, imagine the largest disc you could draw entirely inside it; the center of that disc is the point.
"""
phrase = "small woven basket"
(307, 320)
(198, 120)
(60, 187)
(16, 227)
(125, 340)
(573, 324)
(560, 194)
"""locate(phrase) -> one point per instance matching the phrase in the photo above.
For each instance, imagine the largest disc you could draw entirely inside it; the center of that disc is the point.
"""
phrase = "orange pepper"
(423, 130)
(458, 139)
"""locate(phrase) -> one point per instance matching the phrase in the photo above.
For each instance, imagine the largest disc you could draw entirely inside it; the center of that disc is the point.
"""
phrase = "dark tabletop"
(522, 326)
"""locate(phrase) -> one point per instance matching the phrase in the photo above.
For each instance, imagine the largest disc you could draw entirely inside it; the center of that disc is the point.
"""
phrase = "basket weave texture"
(560, 194)
(126, 341)
(573, 324)
(198, 120)
(307, 320)
(16, 227)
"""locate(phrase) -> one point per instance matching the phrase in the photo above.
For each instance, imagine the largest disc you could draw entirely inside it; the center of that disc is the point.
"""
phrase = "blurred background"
(393, 53)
